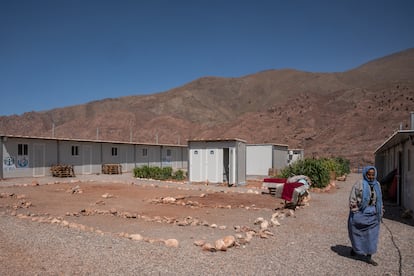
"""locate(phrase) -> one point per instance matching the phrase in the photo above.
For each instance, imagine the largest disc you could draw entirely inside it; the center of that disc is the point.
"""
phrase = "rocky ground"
(115, 224)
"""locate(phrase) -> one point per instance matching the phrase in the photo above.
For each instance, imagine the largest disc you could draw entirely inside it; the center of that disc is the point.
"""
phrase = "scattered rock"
(250, 235)
(229, 241)
(264, 225)
(209, 247)
(341, 178)
(169, 200)
(259, 220)
(171, 243)
(290, 213)
(55, 220)
(136, 237)
(220, 245)
(274, 221)
(199, 242)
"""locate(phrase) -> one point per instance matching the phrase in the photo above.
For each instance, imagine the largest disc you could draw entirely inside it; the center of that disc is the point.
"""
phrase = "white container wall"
(33, 156)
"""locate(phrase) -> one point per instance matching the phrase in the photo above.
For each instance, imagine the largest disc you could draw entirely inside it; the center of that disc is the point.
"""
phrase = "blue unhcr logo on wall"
(23, 162)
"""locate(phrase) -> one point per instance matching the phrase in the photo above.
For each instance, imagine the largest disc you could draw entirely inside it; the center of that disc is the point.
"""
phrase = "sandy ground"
(156, 210)
(83, 226)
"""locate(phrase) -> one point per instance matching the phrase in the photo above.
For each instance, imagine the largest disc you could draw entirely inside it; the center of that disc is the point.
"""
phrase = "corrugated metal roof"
(268, 144)
(90, 140)
(397, 138)
(216, 140)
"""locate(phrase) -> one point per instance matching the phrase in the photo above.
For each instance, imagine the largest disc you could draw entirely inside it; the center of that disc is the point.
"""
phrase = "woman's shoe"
(353, 252)
(371, 261)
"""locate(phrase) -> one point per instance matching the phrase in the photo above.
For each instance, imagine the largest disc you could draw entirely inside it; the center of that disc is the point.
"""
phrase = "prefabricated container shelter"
(262, 157)
(24, 156)
(217, 161)
(295, 155)
(397, 152)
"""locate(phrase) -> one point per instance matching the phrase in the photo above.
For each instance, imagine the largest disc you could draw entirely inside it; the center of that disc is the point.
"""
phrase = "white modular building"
(24, 156)
(295, 155)
(396, 154)
(262, 157)
(217, 161)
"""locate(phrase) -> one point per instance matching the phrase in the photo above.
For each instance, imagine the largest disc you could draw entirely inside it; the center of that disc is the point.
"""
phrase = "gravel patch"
(314, 242)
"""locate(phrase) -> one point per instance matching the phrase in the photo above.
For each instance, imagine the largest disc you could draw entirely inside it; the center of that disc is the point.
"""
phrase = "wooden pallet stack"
(111, 169)
(62, 171)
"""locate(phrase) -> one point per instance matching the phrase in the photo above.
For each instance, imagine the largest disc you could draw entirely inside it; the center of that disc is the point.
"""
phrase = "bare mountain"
(345, 114)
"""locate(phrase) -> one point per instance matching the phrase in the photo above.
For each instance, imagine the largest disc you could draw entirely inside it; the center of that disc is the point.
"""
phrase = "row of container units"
(394, 161)
(32, 156)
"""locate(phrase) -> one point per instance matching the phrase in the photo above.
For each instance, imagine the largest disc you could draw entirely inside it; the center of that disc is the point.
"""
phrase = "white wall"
(258, 159)
(40, 156)
(42, 153)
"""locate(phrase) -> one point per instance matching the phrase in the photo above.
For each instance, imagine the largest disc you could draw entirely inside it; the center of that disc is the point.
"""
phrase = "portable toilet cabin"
(217, 161)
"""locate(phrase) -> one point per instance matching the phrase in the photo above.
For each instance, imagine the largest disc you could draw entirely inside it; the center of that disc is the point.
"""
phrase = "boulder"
(229, 241)
(220, 245)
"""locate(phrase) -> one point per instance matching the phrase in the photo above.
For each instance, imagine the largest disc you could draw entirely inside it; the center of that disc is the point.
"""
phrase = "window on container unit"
(22, 149)
(75, 150)
(114, 151)
(168, 152)
(144, 152)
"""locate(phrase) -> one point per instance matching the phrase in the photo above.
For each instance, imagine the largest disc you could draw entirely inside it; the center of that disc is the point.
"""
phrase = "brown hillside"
(345, 114)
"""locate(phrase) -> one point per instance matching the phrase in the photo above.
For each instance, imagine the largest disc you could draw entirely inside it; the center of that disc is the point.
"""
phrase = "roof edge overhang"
(396, 138)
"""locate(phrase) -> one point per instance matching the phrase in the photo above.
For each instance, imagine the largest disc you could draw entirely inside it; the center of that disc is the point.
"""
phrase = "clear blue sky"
(56, 53)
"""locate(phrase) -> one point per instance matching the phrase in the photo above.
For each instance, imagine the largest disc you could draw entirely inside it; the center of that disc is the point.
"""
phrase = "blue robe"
(364, 224)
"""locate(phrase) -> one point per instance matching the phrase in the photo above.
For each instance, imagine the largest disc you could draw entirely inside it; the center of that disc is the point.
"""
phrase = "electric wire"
(398, 250)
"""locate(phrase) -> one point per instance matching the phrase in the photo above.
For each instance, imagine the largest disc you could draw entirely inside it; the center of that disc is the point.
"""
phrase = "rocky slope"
(345, 114)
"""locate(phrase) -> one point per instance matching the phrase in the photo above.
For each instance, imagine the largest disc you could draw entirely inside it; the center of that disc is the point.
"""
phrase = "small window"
(75, 150)
(114, 151)
(22, 149)
(212, 152)
(168, 152)
(196, 152)
(144, 152)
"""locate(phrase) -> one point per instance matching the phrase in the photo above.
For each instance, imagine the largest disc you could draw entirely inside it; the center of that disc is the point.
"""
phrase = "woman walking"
(365, 202)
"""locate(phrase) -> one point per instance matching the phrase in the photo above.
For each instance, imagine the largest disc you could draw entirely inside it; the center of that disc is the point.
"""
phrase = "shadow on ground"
(395, 213)
(345, 251)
